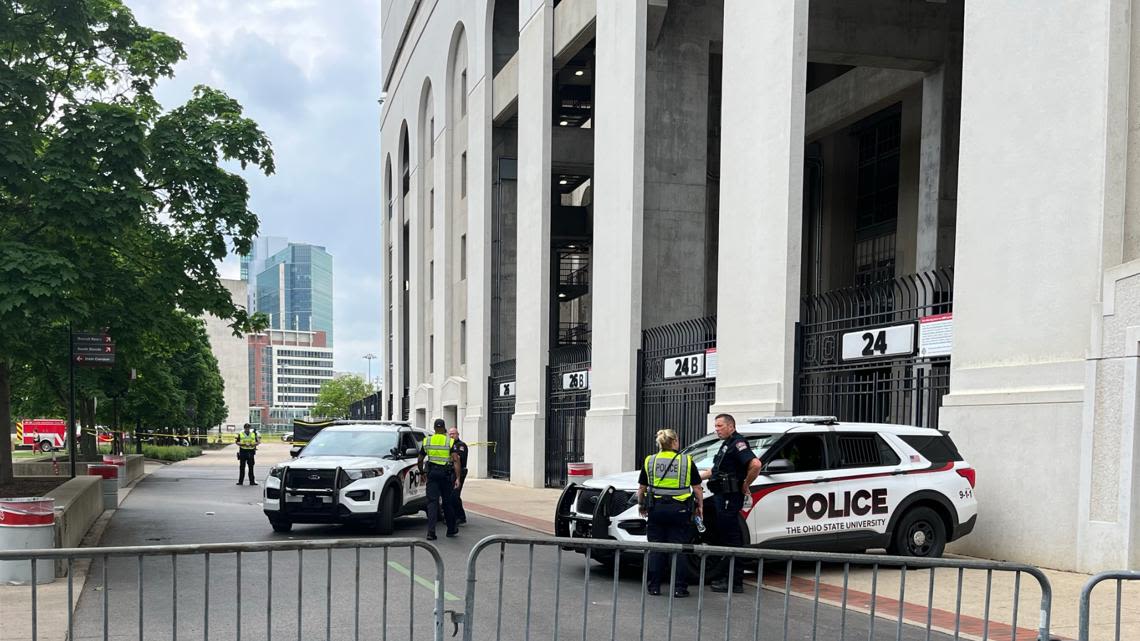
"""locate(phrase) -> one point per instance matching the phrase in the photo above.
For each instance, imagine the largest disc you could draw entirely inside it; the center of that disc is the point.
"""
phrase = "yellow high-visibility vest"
(247, 441)
(438, 448)
(668, 475)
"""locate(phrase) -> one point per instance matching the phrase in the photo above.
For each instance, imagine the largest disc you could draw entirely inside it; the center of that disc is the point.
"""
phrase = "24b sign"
(685, 366)
(878, 342)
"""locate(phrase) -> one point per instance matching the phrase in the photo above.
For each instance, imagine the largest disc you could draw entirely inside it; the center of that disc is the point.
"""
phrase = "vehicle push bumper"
(571, 523)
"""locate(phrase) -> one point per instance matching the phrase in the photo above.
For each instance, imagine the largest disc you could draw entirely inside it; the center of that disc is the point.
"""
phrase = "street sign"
(89, 338)
(89, 348)
(92, 360)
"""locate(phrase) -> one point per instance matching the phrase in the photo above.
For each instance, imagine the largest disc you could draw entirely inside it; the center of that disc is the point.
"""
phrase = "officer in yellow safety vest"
(669, 496)
(247, 441)
(442, 477)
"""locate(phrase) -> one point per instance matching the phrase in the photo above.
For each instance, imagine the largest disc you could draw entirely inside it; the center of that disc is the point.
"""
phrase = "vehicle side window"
(407, 441)
(937, 448)
(864, 450)
(806, 452)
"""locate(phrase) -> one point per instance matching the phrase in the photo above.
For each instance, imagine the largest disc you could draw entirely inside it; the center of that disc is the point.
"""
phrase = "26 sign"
(687, 366)
(878, 342)
(576, 380)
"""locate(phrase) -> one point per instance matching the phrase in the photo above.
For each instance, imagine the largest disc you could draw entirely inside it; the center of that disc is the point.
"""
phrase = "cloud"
(308, 71)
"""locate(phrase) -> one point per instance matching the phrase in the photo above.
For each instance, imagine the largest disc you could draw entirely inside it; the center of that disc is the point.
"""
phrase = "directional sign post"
(87, 349)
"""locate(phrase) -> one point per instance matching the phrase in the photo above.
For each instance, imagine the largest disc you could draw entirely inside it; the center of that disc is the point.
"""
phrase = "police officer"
(247, 442)
(461, 449)
(734, 468)
(668, 495)
(442, 477)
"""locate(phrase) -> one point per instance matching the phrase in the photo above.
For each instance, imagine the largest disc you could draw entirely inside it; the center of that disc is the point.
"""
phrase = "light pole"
(369, 356)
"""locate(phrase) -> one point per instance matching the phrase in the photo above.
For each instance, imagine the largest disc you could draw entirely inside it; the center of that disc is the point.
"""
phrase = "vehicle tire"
(921, 533)
(46, 446)
(281, 526)
(385, 518)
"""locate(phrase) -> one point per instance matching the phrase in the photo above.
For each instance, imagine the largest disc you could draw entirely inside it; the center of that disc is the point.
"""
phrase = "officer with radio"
(734, 468)
(443, 475)
(668, 496)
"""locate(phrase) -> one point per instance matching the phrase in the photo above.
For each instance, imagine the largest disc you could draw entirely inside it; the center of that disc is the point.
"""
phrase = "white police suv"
(824, 486)
(351, 472)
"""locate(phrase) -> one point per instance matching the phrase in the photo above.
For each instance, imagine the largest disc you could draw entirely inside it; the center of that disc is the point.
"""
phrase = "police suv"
(361, 472)
(823, 486)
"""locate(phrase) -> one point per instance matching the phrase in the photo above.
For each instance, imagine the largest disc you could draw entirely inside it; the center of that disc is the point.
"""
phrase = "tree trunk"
(6, 471)
(87, 448)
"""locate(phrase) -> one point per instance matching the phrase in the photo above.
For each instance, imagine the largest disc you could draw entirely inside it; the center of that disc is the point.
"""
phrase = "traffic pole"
(71, 444)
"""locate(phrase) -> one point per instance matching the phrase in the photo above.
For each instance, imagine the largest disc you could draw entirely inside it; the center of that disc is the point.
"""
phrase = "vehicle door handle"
(818, 479)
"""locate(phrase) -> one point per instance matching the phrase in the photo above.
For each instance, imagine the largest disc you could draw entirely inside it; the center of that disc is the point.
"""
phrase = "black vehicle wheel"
(385, 518)
(281, 526)
(46, 446)
(920, 532)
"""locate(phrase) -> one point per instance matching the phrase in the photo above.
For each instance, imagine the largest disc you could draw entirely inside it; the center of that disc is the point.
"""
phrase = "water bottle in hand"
(700, 524)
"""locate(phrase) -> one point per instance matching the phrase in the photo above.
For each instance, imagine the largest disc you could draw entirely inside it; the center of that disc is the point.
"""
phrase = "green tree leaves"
(338, 394)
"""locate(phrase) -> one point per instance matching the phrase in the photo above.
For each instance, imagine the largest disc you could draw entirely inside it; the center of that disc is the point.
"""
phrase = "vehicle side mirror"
(411, 451)
(778, 466)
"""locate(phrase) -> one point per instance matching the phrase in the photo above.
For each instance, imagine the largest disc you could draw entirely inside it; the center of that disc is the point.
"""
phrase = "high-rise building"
(233, 360)
(253, 263)
(294, 289)
(286, 371)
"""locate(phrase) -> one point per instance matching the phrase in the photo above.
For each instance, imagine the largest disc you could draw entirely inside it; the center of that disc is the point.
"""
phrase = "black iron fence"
(567, 400)
(367, 408)
(878, 352)
(677, 384)
(502, 401)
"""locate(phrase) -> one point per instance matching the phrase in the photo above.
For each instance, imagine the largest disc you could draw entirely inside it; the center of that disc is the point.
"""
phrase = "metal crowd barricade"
(766, 614)
(167, 591)
(1085, 615)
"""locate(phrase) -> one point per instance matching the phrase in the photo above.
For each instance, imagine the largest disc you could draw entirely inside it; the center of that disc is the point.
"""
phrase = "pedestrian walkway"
(534, 508)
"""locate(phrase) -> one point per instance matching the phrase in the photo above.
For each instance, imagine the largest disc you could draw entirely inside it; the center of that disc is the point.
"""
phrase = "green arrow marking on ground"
(422, 581)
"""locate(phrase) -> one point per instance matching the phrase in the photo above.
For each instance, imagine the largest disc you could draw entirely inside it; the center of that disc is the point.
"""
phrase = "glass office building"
(295, 289)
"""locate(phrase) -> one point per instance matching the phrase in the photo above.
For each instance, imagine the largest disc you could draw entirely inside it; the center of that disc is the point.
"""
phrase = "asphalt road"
(314, 595)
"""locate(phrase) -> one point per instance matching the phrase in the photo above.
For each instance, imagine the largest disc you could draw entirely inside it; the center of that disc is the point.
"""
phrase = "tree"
(113, 212)
(338, 394)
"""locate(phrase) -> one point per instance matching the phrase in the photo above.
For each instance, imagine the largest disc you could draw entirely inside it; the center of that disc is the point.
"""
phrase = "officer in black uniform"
(461, 449)
(734, 468)
(442, 477)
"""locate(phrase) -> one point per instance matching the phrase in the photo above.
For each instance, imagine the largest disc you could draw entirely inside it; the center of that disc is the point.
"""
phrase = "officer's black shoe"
(653, 591)
(239, 483)
(722, 586)
(453, 533)
(431, 536)
(252, 483)
(680, 593)
(462, 521)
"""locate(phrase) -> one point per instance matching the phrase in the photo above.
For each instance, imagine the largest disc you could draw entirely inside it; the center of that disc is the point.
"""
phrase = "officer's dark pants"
(245, 459)
(457, 498)
(669, 522)
(728, 534)
(440, 480)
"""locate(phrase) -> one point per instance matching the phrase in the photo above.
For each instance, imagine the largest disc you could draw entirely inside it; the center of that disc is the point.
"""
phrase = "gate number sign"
(686, 366)
(507, 389)
(877, 342)
(576, 380)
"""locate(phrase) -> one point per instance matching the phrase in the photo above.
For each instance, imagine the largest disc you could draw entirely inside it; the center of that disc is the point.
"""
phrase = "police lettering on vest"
(438, 449)
(668, 475)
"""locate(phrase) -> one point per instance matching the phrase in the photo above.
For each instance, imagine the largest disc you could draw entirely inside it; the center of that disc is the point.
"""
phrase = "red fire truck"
(45, 433)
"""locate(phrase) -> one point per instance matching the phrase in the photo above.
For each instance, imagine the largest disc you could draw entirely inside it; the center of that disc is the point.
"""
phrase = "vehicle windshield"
(704, 450)
(351, 443)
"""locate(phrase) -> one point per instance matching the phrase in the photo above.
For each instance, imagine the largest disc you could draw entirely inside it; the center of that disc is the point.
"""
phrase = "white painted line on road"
(431, 585)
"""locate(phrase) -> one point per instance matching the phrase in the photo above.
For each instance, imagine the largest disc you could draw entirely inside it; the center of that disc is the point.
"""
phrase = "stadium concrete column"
(619, 199)
(478, 259)
(761, 207)
(528, 425)
(1034, 235)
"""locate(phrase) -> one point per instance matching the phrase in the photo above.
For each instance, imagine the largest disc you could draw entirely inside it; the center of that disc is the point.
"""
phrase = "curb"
(518, 520)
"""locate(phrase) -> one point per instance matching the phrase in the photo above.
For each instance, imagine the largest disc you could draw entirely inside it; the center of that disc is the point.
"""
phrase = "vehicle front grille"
(300, 479)
(587, 501)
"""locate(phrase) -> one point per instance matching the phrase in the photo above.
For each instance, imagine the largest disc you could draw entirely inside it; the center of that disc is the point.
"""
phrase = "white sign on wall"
(710, 362)
(687, 366)
(576, 380)
(877, 342)
(507, 389)
(936, 335)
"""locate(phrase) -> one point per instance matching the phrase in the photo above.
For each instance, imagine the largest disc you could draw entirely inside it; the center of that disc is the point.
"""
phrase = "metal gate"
(567, 399)
(502, 395)
(877, 353)
(676, 384)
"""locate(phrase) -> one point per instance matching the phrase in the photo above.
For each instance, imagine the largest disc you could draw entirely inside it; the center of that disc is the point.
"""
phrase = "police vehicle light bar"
(815, 420)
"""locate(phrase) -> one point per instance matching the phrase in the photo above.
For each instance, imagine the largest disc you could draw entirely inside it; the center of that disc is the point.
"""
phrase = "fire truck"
(45, 433)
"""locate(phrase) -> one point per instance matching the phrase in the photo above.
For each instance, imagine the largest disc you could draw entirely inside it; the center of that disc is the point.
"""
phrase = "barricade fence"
(327, 589)
(538, 588)
(1104, 623)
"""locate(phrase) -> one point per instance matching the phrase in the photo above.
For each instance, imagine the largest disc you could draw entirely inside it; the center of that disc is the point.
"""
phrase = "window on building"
(877, 196)
(431, 280)
(431, 209)
(462, 342)
(431, 353)
(463, 93)
(463, 175)
(463, 257)
(431, 138)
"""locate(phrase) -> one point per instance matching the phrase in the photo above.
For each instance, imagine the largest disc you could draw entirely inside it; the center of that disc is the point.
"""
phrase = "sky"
(308, 71)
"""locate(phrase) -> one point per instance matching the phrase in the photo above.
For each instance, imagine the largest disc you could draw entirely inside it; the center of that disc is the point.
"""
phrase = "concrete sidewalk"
(534, 509)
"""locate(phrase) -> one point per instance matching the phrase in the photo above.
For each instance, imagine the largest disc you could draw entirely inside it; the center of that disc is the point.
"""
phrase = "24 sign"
(690, 365)
(878, 342)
